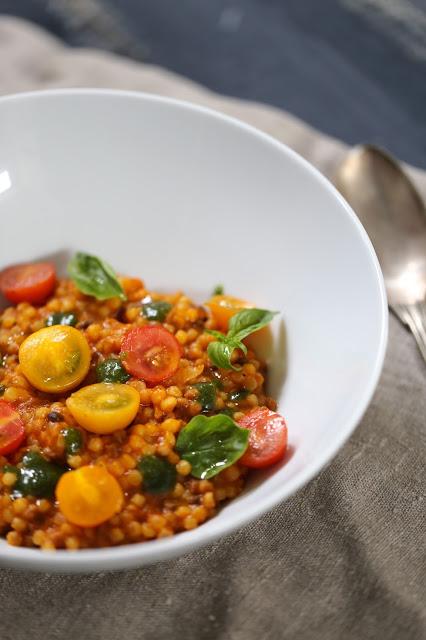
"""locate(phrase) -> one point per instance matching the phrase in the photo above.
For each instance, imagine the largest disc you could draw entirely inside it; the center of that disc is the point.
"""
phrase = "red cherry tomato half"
(267, 439)
(151, 353)
(28, 282)
(12, 431)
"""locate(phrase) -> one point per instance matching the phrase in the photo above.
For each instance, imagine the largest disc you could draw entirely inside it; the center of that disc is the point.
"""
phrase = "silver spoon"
(394, 217)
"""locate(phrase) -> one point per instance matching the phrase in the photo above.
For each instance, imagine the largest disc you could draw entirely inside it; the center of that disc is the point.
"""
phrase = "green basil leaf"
(68, 319)
(111, 370)
(220, 354)
(206, 395)
(217, 381)
(241, 325)
(237, 396)
(94, 277)
(217, 334)
(242, 346)
(37, 476)
(211, 444)
(159, 475)
(247, 321)
(73, 440)
(219, 290)
(156, 310)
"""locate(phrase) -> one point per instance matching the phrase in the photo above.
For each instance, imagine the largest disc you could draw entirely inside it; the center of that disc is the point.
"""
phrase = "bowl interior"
(187, 199)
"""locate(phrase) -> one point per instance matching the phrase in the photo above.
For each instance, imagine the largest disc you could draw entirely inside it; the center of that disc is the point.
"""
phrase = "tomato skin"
(28, 282)
(267, 440)
(150, 353)
(55, 359)
(223, 307)
(89, 496)
(12, 430)
(104, 407)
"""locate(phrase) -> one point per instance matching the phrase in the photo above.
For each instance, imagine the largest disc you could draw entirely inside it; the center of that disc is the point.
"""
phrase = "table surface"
(354, 69)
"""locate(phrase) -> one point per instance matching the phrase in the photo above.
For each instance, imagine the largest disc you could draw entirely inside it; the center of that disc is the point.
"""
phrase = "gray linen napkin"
(343, 559)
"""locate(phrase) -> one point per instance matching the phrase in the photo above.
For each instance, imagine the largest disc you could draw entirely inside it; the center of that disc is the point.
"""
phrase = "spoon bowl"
(393, 215)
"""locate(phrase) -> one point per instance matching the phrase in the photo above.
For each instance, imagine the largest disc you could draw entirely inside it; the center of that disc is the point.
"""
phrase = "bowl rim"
(138, 554)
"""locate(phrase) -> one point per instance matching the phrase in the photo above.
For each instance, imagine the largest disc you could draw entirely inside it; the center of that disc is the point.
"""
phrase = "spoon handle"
(414, 315)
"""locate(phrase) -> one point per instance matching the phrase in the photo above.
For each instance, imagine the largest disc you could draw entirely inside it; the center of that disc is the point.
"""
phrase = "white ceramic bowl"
(186, 198)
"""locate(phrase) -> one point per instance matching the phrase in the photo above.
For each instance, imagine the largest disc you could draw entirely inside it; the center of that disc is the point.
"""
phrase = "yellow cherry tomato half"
(88, 496)
(224, 307)
(55, 359)
(104, 407)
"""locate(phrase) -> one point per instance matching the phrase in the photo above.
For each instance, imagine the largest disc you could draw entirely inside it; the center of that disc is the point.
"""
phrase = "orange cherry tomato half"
(267, 439)
(151, 353)
(55, 359)
(104, 407)
(12, 431)
(28, 282)
(89, 496)
(223, 307)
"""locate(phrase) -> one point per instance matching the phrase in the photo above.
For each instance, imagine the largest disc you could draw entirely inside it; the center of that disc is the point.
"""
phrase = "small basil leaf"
(37, 477)
(156, 310)
(237, 396)
(111, 370)
(206, 395)
(217, 380)
(94, 277)
(211, 444)
(247, 321)
(217, 334)
(33, 457)
(241, 325)
(226, 411)
(69, 319)
(242, 346)
(2, 389)
(219, 290)
(159, 475)
(73, 440)
(220, 354)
